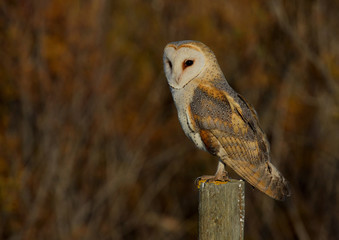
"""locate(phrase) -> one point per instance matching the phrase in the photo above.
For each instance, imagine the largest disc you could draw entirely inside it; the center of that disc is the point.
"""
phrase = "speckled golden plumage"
(236, 139)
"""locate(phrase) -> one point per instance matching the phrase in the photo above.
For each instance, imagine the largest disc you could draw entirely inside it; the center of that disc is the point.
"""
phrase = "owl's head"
(185, 61)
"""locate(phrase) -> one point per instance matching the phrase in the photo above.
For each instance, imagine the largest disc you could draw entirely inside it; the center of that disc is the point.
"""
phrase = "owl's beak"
(177, 79)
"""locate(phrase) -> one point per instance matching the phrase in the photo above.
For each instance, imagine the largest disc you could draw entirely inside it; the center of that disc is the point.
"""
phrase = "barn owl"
(219, 120)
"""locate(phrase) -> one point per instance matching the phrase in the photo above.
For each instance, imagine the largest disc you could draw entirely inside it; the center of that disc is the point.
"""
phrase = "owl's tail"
(265, 177)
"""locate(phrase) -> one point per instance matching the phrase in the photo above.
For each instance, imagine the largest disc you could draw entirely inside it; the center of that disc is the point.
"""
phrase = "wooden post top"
(221, 210)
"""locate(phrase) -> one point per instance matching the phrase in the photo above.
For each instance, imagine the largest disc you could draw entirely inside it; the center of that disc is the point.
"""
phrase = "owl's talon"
(211, 178)
(197, 180)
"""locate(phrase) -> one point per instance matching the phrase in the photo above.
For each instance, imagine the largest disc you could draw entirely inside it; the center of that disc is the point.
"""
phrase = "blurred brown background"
(90, 143)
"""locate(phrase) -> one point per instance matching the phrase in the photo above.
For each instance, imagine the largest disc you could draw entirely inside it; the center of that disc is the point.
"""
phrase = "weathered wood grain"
(221, 210)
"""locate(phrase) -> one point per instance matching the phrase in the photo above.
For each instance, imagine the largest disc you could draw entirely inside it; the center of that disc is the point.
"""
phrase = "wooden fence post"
(221, 210)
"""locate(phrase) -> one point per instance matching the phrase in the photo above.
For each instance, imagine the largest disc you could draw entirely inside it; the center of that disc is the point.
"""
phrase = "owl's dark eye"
(188, 63)
(169, 63)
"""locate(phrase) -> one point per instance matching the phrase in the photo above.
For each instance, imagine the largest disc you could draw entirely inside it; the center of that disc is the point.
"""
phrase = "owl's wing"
(229, 128)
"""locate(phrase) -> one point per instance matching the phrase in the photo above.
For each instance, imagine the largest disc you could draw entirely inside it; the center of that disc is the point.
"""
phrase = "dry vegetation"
(90, 144)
